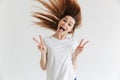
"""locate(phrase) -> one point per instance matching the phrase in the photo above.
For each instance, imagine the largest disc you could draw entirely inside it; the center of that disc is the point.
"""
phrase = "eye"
(69, 24)
(64, 20)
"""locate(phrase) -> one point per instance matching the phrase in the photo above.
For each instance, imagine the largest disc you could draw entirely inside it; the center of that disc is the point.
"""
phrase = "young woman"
(59, 51)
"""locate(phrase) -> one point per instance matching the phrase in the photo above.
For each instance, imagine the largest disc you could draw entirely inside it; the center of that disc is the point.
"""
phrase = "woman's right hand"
(41, 46)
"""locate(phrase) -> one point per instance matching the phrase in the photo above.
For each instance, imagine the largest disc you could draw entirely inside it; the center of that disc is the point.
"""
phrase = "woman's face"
(65, 25)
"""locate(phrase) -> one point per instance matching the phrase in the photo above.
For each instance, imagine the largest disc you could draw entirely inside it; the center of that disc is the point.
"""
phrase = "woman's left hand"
(80, 47)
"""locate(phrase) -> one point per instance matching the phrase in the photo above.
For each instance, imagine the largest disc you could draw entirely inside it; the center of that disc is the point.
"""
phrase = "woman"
(59, 51)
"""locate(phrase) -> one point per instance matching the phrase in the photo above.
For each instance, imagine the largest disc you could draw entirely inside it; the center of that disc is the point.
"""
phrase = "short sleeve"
(75, 45)
(45, 40)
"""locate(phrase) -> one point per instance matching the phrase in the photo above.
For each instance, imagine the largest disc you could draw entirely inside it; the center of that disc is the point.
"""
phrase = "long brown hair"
(56, 10)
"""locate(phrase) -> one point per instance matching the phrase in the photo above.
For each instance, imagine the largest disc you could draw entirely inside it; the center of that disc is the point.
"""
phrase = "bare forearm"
(43, 61)
(74, 60)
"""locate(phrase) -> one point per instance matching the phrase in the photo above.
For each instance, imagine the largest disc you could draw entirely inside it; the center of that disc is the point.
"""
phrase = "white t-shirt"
(59, 58)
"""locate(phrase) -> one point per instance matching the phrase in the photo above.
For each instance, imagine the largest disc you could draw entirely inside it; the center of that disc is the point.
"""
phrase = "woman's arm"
(74, 60)
(43, 61)
(43, 49)
(78, 50)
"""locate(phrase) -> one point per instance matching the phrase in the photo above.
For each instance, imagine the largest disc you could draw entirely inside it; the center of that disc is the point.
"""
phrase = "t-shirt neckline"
(59, 39)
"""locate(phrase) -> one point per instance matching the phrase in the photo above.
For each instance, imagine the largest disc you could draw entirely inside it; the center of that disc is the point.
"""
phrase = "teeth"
(62, 28)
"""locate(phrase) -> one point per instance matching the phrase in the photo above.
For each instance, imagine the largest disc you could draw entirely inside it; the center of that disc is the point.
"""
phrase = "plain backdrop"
(19, 56)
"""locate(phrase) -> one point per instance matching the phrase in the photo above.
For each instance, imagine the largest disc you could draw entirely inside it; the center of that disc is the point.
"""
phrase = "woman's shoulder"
(51, 38)
(47, 37)
(70, 37)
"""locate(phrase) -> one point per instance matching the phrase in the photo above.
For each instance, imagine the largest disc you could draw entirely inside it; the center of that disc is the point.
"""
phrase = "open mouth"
(61, 28)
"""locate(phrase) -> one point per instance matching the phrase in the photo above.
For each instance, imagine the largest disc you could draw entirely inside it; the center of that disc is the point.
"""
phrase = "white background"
(19, 56)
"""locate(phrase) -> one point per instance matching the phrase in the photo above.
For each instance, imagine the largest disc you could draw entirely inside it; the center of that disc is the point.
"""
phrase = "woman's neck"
(59, 37)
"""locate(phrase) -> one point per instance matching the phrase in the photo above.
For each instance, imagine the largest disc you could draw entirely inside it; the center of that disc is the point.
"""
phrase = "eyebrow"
(70, 21)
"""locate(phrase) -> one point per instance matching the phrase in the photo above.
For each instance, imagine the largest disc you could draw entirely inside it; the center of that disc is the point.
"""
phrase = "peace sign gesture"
(80, 47)
(41, 46)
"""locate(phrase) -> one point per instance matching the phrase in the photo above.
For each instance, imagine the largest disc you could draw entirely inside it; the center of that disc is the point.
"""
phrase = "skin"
(67, 23)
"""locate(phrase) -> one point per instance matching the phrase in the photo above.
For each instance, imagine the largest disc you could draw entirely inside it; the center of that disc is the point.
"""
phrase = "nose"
(65, 24)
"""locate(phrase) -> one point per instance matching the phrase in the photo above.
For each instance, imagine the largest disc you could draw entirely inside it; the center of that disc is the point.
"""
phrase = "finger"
(35, 40)
(81, 47)
(40, 38)
(81, 42)
(39, 46)
(85, 43)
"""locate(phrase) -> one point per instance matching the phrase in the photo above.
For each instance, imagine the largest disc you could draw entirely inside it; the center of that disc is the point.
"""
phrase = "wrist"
(76, 54)
(44, 52)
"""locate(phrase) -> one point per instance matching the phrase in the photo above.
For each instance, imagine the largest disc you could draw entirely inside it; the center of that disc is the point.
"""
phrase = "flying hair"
(56, 10)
